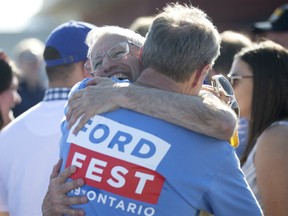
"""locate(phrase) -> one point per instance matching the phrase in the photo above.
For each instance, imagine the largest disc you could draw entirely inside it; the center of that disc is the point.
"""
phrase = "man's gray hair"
(97, 33)
(181, 39)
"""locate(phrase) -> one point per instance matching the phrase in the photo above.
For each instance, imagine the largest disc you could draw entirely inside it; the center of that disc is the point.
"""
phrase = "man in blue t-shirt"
(134, 164)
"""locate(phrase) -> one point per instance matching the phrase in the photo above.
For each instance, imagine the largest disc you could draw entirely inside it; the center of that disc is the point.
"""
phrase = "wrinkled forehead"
(105, 42)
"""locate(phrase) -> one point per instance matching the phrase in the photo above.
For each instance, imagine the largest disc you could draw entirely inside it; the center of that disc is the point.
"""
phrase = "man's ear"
(200, 74)
(206, 69)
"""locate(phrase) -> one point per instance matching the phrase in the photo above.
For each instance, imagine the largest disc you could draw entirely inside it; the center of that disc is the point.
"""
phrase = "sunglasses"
(234, 78)
(116, 52)
(220, 83)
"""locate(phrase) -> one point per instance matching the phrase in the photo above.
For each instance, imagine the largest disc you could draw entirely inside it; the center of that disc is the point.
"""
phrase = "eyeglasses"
(233, 78)
(219, 82)
(116, 52)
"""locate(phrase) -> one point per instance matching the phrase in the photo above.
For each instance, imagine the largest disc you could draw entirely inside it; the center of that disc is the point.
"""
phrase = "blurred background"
(36, 18)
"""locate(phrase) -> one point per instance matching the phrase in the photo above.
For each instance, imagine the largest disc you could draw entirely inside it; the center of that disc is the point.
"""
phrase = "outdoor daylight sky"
(15, 13)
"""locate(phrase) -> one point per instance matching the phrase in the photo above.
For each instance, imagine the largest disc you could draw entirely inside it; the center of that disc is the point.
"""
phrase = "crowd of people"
(136, 127)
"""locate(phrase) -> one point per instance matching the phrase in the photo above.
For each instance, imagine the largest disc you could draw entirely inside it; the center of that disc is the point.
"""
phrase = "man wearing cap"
(29, 146)
(276, 27)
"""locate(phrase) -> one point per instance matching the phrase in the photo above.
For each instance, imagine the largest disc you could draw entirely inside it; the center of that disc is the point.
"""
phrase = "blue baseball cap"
(69, 40)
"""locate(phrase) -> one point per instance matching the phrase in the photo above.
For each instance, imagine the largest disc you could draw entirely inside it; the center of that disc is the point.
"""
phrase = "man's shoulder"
(41, 114)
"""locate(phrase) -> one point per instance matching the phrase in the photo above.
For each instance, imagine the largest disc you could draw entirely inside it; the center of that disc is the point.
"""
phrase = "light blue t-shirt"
(134, 164)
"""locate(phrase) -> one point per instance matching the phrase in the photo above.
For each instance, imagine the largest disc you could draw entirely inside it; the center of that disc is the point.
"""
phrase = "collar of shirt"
(53, 94)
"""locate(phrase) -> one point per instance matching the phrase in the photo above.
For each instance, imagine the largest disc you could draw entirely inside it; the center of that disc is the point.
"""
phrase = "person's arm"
(56, 202)
(271, 161)
(206, 115)
(3, 200)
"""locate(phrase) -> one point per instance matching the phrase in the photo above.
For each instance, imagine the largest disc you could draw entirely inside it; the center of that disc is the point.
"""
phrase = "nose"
(108, 63)
(18, 98)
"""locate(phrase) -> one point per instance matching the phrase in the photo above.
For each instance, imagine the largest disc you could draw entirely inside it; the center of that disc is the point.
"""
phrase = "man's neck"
(151, 78)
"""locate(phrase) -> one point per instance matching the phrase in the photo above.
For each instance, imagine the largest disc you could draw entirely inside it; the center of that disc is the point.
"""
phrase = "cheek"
(135, 67)
(244, 95)
(12, 97)
(6, 100)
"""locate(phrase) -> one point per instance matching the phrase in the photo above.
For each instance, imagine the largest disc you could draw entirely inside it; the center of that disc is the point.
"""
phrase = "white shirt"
(29, 148)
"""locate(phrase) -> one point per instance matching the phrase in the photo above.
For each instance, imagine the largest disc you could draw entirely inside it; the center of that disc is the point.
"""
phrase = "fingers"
(75, 95)
(91, 82)
(80, 107)
(65, 174)
(75, 111)
(69, 186)
(82, 103)
(210, 89)
(223, 97)
(75, 200)
(56, 202)
(56, 169)
(74, 212)
(72, 104)
(205, 87)
(80, 124)
(58, 209)
(97, 80)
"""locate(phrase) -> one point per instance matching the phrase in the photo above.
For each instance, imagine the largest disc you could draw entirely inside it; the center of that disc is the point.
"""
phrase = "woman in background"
(9, 96)
(259, 75)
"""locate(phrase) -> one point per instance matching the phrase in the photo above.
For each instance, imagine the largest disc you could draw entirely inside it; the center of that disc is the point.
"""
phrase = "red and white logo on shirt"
(118, 158)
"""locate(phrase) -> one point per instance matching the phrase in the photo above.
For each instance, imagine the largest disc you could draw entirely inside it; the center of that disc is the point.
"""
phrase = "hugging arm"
(206, 115)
